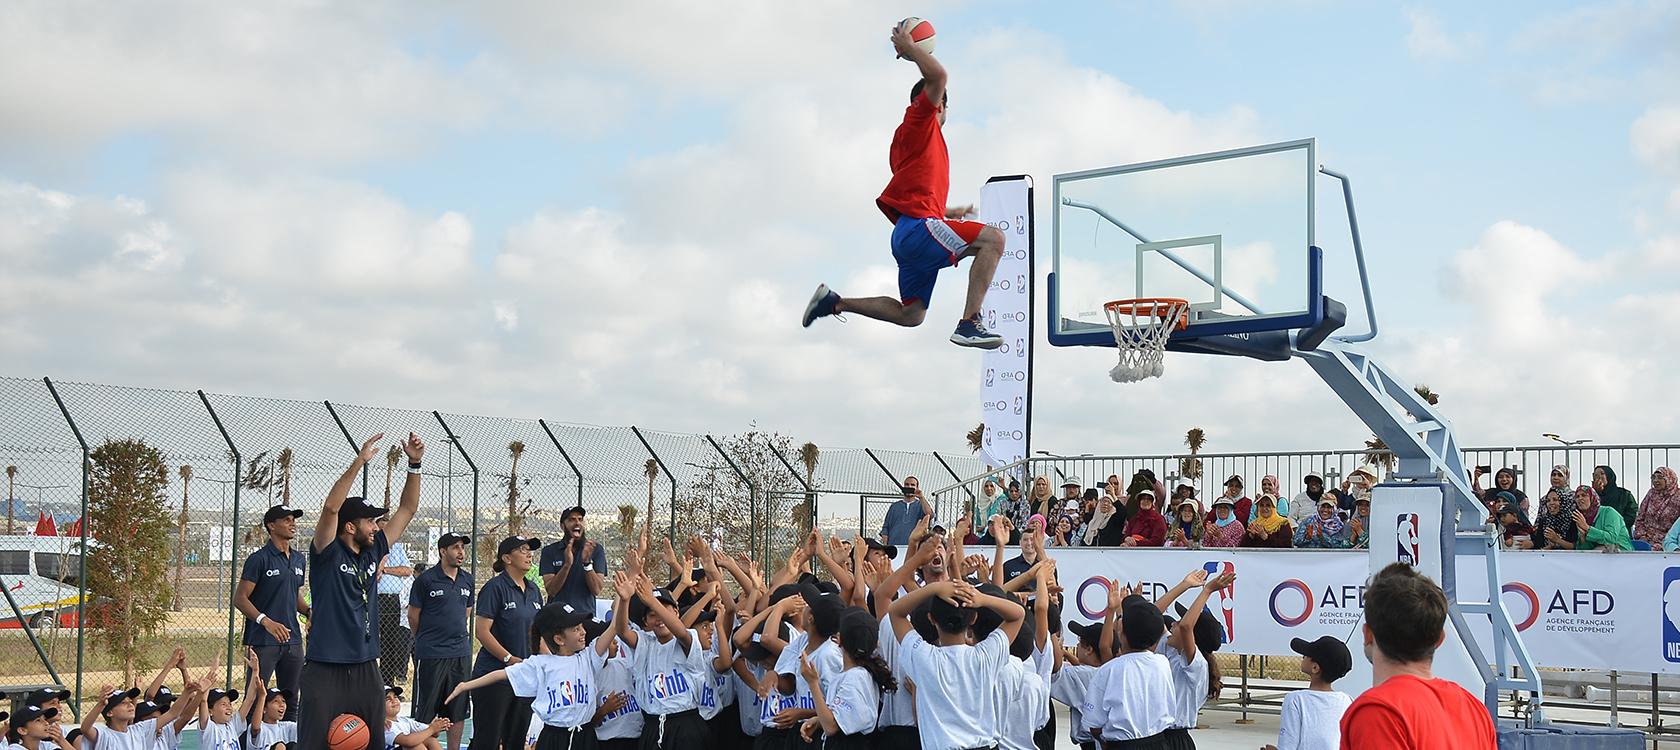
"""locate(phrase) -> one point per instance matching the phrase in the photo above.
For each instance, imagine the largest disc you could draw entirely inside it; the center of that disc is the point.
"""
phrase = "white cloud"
(1427, 39)
(1656, 138)
(506, 314)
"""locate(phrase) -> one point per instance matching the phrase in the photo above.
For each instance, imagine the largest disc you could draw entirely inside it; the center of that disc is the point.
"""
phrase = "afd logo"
(1293, 602)
(1092, 595)
(1407, 535)
(1569, 608)
(1671, 614)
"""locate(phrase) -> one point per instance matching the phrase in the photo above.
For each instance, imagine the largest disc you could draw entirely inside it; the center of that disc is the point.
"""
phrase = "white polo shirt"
(1129, 698)
(956, 703)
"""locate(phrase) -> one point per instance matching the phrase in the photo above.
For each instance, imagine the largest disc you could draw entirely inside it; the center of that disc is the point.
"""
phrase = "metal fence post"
(233, 562)
(456, 441)
(972, 500)
(769, 520)
(752, 490)
(671, 530)
(81, 564)
(567, 456)
(355, 447)
(1243, 659)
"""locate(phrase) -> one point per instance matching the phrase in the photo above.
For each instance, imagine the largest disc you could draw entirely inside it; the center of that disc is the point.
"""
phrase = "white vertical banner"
(1006, 203)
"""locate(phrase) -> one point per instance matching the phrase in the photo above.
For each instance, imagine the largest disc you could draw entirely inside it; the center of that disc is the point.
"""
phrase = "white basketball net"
(1141, 329)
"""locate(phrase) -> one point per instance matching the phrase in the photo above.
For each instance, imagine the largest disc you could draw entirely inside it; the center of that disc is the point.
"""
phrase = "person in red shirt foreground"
(1407, 707)
(928, 235)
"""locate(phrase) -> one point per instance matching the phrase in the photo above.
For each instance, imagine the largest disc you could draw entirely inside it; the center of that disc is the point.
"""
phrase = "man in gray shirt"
(902, 517)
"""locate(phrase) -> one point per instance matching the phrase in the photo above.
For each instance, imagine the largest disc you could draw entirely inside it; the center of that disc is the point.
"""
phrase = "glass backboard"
(1232, 232)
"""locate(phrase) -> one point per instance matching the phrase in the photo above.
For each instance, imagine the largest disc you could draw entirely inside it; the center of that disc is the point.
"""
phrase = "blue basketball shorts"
(924, 247)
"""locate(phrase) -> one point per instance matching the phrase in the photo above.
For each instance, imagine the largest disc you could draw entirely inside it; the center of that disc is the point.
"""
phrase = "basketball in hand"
(921, 32)
(347, 732)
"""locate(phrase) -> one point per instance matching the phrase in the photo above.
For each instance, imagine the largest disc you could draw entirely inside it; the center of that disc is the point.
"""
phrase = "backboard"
(1231, 231)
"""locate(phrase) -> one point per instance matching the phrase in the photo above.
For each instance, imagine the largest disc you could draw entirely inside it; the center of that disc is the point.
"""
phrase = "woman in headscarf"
(1098, 532)
(1305, 504)
(1597, 526)
(1062, 534)
(1016, 507)
(1324, 530)
(1269, 486)
(1148, 528)
(1185, 530)
(1518, 532)
(1042, 501)
(1504, 480)
(1660, 509)
(992, 497)
(1555, 528)
(1613, 496)
(1560, 484)
(1225, 530)
(1357, 485)
(1268, 529)
(1359, 526)
(1240, 504)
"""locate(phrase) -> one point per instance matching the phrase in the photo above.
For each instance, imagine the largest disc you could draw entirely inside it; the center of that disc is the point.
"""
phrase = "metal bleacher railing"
(183, 477)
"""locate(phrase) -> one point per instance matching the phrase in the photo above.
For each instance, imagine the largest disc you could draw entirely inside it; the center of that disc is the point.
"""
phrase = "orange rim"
(1159, 307)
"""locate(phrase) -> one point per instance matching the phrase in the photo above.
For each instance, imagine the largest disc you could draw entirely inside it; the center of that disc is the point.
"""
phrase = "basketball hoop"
(1141, 329)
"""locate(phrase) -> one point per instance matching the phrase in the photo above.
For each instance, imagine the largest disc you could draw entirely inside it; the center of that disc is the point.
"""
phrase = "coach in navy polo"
(437, 615)
(574, 567)
(341, 665)
(270, 595)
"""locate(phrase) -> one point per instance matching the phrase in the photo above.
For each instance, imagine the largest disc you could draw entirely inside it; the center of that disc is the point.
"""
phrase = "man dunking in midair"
(927, 235)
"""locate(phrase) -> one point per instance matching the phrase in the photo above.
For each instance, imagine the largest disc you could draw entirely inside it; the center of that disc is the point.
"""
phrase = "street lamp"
(1566, 443)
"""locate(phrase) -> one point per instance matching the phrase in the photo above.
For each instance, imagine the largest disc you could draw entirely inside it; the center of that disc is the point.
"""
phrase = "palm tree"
(1377, 452)
(186, 473)
(11, 498)
(627, 522)
(651, 469)
(392, 456)
(808, 455)
(283, 462)
(515, 450)
(975, 436)
(1191, 467)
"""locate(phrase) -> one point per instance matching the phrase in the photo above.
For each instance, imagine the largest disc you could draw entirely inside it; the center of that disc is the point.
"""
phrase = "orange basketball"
(347, 732)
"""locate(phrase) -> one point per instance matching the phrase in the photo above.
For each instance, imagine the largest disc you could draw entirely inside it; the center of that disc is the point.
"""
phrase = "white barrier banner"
(1573, 609)
(1006, 203)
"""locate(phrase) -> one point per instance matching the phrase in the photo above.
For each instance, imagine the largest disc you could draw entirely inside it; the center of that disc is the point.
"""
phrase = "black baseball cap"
(451, 539)
(40, 696)
(163, 697)
(890, 550)
(1089, 633)
(512, 543)
(557, 616)
(355, 509)
(1330, 653)
(578, 509)
(217, 694)
(277, 693)
(145, 709)
(394, 690)
(278, 512)
(30, 713)
(117, 696)
(594, 628)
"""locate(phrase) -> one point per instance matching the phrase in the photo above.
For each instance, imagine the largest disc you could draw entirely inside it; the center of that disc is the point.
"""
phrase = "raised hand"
(177, 657)
(438, 726)
(414, 447)
(1114, 595)
(1223, 580)
(624, 584)
(251, 662)
(1581, 522)
(807, 669)
(370, 448)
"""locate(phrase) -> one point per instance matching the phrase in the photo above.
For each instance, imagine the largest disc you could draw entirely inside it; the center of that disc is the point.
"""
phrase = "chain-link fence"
(165, 490)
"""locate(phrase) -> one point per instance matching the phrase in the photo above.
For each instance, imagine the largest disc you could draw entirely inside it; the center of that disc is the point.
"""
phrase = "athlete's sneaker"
(970, 332)
(821, 305)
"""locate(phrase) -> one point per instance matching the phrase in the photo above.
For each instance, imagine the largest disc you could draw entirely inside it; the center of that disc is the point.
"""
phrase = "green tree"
(127, 493)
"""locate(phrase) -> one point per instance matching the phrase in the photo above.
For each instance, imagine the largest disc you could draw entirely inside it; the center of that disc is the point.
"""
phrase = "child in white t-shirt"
(1073, 678)
(560, 680)
(1189, 645)
(956, 704)
(268, 728)
(846, 711)
(1311, 719)
(1131, 696)
(403, 731)
(220, 726)
(667, 664)
(620, 726)
(1023, 685)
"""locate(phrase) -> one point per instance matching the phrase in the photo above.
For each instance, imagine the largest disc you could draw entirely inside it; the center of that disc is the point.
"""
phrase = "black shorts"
(771, 739)
(433, 679)
(679, 731)
(622, 743)
(557, 738)
(335, 689)
(1172, 739)
(897, 738)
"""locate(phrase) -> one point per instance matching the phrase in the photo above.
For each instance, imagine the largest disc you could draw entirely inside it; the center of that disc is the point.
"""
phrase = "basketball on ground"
(347, 732)
(921, 32)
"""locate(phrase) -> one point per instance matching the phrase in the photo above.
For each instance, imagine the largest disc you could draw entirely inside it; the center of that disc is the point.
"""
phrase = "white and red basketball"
(921, 32)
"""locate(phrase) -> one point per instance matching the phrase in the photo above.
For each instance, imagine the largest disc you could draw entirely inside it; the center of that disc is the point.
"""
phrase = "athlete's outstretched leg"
(987, 250)
(825, 302)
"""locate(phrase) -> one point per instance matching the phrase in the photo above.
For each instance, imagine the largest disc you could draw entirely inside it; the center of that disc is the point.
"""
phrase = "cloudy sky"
(613, 213)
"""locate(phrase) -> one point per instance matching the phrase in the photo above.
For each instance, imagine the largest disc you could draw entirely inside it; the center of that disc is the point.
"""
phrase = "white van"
(40, 574)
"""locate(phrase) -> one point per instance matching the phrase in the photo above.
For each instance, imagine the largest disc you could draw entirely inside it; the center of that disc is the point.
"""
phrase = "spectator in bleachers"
(1225, 530)
(1561, 487)
(1613, 495)
(1241, 505)
(1359, 526)
(1186, 527)
(1148, 528)
(1111, 488)
(1597, 525)
(1018, 510)
(1555, 528)
(1042, 501)
(1503, 480)
(991, 499)
(1357, 485)
(1107, 527)
(1305, 504)
(1269, 486)
(1088, 506)
(1324, 529)
(1517, 533)
(1071, 490)
(1268, 529)
(1062, 535)
(1184, 491)
(1660, 509)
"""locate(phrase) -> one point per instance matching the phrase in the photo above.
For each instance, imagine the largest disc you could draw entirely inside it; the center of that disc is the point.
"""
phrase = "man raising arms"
(927, 234)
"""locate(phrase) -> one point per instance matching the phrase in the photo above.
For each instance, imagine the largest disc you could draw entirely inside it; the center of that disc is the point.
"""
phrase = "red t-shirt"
(1411, 713)
(920, 164)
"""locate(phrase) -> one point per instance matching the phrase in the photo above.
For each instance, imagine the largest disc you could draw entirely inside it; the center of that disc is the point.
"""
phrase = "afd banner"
(1006, 203)
(1582, 610)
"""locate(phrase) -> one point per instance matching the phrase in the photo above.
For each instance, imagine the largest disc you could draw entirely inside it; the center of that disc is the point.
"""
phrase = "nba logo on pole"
(1224, 601)
(1406, 535)
(1671, 614)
